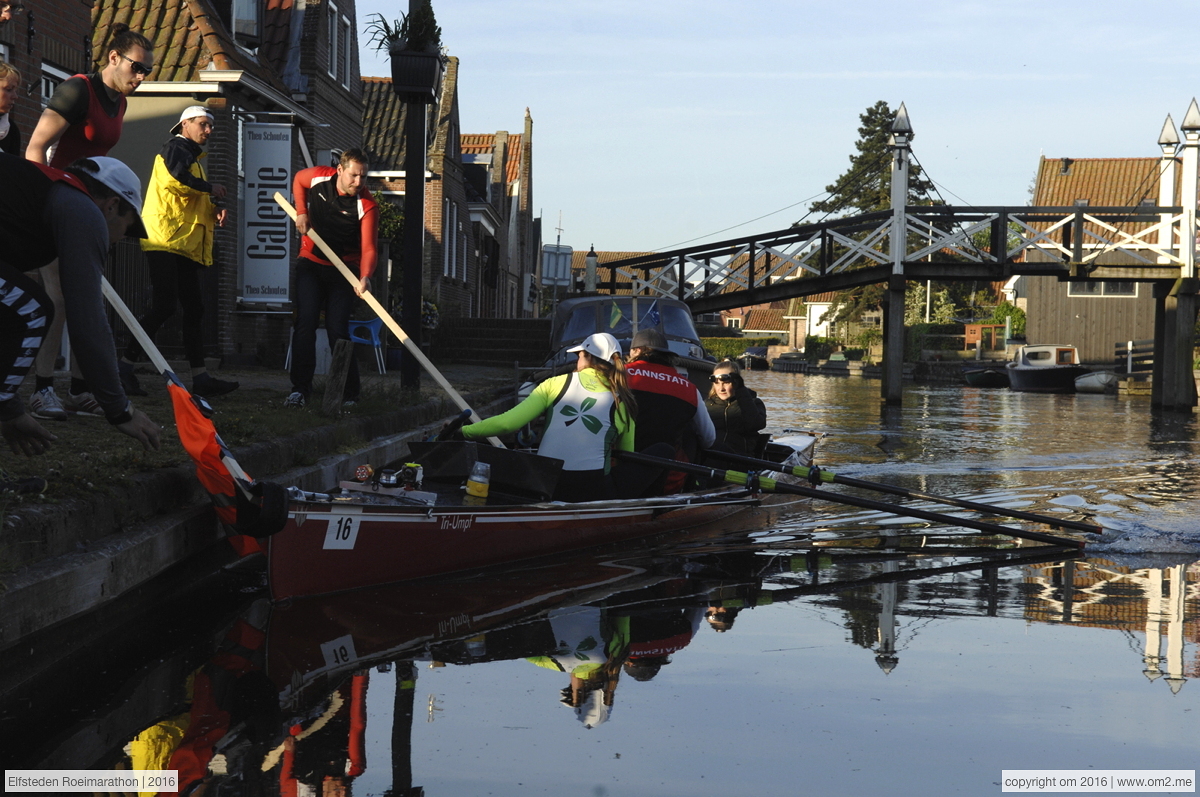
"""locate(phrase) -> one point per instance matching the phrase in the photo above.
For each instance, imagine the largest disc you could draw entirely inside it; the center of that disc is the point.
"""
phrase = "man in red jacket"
(337, 204)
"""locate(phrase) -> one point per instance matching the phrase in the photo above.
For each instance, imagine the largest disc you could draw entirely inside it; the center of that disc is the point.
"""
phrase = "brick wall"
(62, 35)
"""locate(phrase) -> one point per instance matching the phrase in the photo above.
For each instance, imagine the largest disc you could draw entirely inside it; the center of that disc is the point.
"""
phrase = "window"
(1096, 288)
(5, 53)
(733, 322)
(337, 28)
(247, 22)
(52, 77)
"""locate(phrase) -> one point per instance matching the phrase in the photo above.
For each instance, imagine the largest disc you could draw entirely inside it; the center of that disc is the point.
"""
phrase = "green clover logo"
(590, 422)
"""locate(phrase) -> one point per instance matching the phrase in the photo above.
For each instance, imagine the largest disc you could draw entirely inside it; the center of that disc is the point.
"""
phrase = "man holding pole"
(336, 203)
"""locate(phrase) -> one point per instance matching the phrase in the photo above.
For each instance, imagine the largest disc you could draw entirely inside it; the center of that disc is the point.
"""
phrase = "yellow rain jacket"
(179, 212)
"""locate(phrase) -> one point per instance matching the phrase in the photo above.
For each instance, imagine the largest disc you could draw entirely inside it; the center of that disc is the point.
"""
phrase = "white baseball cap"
(191, 112)
(600, 345)
(121, 179)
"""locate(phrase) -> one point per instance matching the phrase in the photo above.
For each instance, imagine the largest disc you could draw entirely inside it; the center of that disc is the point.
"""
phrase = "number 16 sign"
(342, 532)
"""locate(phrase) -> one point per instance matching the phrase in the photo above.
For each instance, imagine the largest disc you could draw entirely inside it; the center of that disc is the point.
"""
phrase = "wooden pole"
(390, 322)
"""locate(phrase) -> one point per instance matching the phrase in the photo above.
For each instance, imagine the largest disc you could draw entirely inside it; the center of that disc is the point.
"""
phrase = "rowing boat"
(419, 521)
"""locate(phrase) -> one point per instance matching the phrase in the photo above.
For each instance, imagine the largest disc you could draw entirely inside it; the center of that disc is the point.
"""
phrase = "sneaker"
(350, 403)
(83, 404)
(208, 386)
(295, 400)
(46, 405)
(129, 382)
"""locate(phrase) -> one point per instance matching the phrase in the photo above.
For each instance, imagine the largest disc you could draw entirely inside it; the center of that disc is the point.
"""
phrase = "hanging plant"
(416, 31)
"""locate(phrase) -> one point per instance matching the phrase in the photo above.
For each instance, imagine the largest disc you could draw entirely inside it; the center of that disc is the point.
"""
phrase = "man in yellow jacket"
(181, 212)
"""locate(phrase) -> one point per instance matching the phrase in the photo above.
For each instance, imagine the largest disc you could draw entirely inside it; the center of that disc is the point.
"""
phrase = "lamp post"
(589, 270)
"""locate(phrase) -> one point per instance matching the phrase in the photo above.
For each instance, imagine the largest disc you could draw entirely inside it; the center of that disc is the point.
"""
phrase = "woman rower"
(589, 413)
(736, 411)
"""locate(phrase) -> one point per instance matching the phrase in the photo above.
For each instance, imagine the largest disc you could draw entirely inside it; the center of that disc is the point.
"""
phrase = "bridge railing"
(1131, 237)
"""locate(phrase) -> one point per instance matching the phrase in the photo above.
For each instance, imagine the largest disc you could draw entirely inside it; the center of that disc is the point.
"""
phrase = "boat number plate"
(339, 651)
(342, 532)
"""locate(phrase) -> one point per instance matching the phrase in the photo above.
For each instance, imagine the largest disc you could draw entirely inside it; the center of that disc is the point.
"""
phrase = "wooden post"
(335, 384)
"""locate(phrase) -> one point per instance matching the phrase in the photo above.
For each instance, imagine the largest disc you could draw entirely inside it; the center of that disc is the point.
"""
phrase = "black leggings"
(175, 280)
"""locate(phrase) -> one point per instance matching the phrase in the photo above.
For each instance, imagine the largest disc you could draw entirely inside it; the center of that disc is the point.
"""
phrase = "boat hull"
(1044, 379)
(986, 377)
(1096, 382)
(330, 546)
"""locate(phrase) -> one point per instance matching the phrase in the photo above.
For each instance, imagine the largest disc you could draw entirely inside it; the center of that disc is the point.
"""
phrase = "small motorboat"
(1097, 382)
(977, 375)
(1045, 368)
(754, 358)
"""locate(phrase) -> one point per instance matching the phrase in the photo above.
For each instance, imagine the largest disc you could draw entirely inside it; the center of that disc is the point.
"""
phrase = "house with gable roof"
(481, 240)
(291, 64)
(1093, 316)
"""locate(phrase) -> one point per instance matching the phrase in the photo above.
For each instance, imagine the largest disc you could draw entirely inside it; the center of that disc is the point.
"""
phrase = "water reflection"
(843, 650)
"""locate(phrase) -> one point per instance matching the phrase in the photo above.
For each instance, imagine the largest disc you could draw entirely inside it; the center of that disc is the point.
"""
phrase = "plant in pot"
(414, 44)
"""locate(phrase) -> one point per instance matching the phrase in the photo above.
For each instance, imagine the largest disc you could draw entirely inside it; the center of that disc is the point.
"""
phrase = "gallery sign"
(266, 229)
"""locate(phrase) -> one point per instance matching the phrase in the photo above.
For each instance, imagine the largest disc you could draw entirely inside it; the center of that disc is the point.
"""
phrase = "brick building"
(481, 240)
(48, 42)
(281, 78)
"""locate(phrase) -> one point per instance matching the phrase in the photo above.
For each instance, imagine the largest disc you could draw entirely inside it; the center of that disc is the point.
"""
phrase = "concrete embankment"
(75, 557)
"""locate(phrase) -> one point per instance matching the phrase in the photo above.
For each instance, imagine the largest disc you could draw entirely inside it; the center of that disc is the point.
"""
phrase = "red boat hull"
(333, 546)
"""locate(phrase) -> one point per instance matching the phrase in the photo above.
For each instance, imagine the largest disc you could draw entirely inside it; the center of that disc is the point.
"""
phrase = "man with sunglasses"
(82, 120)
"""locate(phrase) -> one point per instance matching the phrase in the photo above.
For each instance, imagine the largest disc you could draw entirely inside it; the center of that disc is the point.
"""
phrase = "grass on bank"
(90, 456)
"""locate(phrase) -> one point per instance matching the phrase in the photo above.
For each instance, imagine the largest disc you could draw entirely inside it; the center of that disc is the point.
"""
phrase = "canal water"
(815, 648)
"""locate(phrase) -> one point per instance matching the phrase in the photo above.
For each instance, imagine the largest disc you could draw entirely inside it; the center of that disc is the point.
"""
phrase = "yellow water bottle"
(477, 482)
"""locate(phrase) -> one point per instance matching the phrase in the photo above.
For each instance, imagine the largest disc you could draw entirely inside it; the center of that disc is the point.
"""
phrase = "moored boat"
(1096, 382)
(1045, 368)
(420, 523)
(985, 375)
(754, 358)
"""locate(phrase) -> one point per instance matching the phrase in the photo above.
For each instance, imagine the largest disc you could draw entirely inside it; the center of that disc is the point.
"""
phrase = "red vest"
(95, 135)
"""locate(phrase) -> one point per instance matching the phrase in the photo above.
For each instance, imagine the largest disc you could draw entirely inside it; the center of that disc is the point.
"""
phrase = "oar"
(266, 501)
(827, 476)
(386, 317)
(770, 485)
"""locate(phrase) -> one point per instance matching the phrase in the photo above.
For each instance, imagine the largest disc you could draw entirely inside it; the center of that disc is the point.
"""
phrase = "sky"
(659, 124)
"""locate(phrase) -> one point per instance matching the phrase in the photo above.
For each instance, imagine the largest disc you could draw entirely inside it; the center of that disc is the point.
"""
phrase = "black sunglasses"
(721, 378)
(138, 67)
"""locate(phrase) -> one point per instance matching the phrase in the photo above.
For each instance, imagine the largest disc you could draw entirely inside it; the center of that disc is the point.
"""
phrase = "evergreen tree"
(866, 186)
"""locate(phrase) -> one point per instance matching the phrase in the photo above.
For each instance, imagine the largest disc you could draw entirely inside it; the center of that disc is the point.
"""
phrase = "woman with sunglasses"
(82, 120)
(736, 411)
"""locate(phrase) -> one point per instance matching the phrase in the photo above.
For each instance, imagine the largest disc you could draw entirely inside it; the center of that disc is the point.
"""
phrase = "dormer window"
(243, 18)
(247, 23)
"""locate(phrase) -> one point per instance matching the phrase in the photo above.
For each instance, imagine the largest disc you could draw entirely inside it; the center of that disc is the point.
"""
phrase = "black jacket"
(738, 421)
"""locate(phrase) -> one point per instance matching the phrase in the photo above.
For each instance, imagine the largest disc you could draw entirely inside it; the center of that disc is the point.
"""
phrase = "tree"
(866, 186)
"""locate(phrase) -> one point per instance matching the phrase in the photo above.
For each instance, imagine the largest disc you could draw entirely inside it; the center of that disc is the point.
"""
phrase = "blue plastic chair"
(367, 333)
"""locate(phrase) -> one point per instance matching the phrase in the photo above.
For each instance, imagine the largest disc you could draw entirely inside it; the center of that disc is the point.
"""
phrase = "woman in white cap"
(589, 412)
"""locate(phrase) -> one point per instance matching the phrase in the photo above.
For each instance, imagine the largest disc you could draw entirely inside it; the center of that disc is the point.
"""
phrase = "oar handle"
(385, 316)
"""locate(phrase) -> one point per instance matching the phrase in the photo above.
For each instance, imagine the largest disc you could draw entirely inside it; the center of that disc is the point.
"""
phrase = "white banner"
(266, 228)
